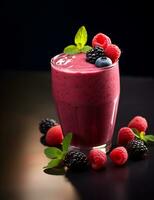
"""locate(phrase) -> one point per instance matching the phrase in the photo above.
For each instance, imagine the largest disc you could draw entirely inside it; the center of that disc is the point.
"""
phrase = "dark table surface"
(25, 99)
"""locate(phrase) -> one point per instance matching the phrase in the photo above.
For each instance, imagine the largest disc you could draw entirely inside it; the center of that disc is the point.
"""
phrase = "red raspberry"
(101, 40)
(119, 155)
(138, 122)
(125, 135)
(113, 52)
(97, 159)
(54, 136)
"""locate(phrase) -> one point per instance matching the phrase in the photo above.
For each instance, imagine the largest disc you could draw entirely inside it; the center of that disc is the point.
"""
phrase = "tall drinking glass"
(86, 99)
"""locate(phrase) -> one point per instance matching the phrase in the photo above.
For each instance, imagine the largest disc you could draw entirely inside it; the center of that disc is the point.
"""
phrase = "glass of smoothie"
(86, 98)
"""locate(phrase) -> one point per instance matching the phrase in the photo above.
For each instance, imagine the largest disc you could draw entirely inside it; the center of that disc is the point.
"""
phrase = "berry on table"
(54, 136)
(137, 150)
(43, 140)
(76, 161)
(119, 155)
(125, 135)
(97, 158)
(103, 62)
(93, 54)
(101, 40)
(45, 124)
(139, 123)
(113, 52)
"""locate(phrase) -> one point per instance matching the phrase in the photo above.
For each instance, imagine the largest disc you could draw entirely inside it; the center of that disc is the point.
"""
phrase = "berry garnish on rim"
(110, 52)
(101, 40)
(113, 52)
(102, 53)
(93, 54)
(103, 62)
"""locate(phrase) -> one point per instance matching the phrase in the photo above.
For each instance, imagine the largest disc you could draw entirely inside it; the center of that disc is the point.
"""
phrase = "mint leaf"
(53, 163)
(66, 142)
(136, 132)
(71, 49)
(149, 138)
(53, 152)
(86, 48)
(81, 37)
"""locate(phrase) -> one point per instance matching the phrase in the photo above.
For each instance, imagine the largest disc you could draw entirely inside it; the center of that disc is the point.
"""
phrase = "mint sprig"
(66, 142)
(142, 136)
(80, 41)
(56, 155)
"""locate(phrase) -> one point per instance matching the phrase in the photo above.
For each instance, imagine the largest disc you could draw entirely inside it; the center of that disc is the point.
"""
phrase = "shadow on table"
(109, 183)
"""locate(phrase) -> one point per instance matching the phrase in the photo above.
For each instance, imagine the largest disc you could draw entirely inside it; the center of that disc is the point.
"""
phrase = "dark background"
(31, 32)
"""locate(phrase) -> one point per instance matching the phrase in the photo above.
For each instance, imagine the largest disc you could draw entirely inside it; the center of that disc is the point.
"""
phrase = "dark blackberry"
(76, 160)
(43, 141)
(45, 124)
(93, 54)
(137, 149)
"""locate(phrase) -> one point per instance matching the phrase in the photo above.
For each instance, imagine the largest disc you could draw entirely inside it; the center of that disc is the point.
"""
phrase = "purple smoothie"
(86, 99)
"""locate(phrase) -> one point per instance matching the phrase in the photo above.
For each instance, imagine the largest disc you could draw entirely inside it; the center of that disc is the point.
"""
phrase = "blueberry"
(103, 62)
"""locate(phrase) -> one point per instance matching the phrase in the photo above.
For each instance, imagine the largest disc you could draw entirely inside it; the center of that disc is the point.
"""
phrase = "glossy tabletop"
(25, 100)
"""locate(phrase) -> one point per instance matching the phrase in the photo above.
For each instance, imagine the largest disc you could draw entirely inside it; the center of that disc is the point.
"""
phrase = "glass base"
(105, 148)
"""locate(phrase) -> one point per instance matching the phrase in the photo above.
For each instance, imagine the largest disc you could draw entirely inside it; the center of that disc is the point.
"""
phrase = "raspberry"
(138, 122)
(45, 124)
(76, 160)
(93, 54)
(125, 135)
(101, 40)
(137, 150)
(54, 136)
(113, 52)
(97, 159)
(119, 155)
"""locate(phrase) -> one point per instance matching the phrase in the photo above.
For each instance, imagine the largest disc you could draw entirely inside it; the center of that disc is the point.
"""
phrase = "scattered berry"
(54, 136)
(103, 62)
(137, 150)
(119, 155)
(43, 141)
(125, 135)
(45, 124)
(101, 40)
(93, 54)
(138, 122)
(76, 160)
(113, 52)
(97, 159)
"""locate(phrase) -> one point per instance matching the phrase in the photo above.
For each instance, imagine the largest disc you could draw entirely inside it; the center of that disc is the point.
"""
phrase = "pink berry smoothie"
(86, 99)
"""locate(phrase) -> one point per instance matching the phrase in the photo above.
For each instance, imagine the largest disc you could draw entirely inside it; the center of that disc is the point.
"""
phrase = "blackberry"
(76, 160)
(45, 124)
(43, 141)
(93, 54)
(137, 149)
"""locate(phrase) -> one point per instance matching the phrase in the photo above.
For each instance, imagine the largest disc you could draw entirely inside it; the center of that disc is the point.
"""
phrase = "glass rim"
(53, 65)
